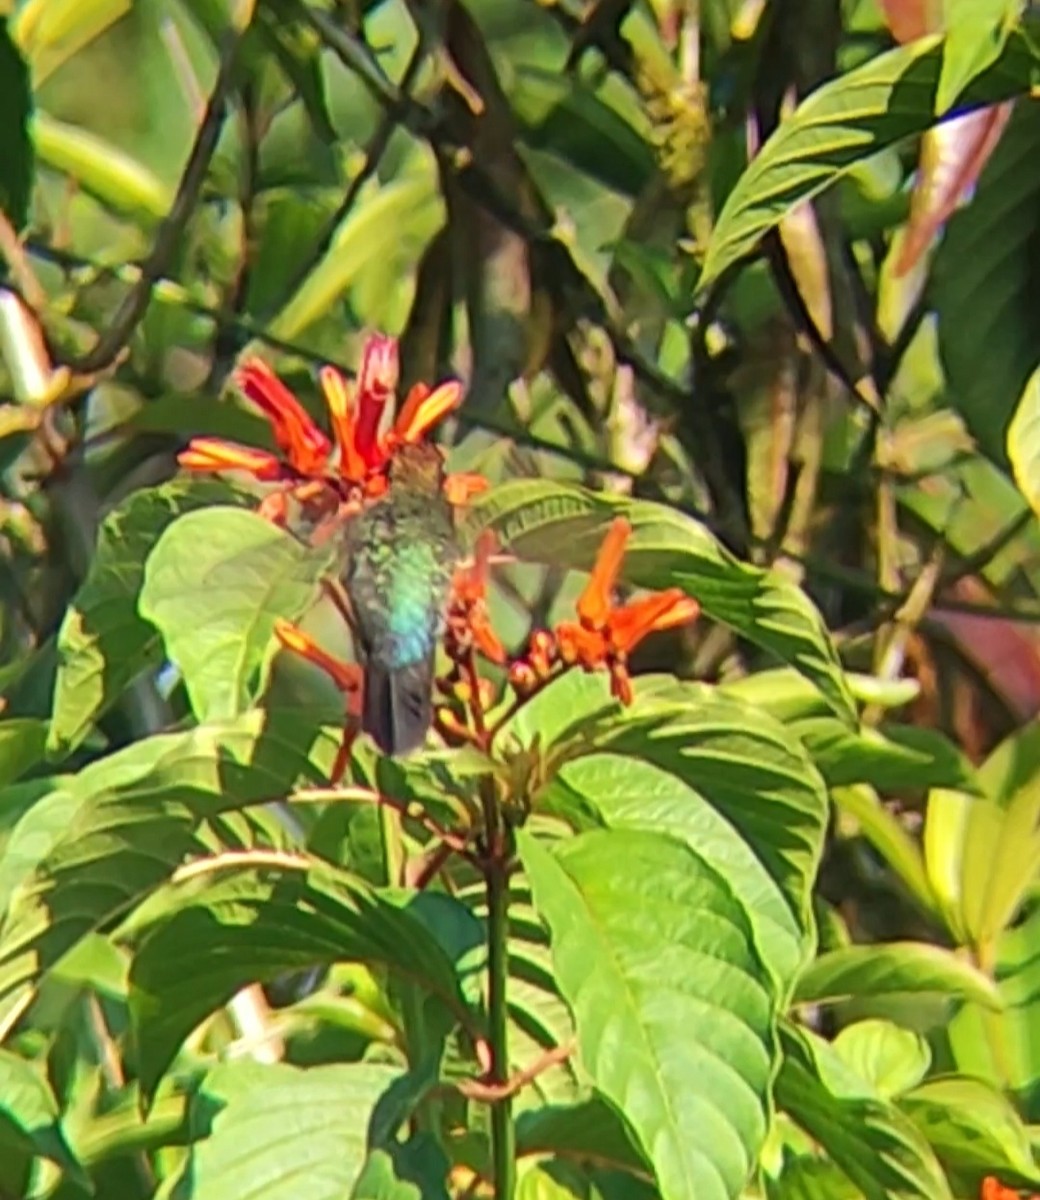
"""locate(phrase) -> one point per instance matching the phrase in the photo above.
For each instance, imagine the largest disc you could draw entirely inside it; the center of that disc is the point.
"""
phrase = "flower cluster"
(333, 477)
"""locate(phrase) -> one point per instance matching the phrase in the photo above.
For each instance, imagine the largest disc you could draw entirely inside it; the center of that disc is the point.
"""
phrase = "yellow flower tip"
(215, 454)
(338, 392)
(595, 602)
(293, 638)
(423, 409)
(340, 401)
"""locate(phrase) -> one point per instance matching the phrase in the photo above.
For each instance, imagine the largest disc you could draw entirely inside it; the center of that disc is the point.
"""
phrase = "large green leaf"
(120, 826)
(985, 278)
(720, 775)
(564, 526)
(259, 915)
(657, 960)
(838, 125)
(878, 1147)
(260, 1131)
(104, 641)
(214, 585)
(16, 149)
(894, 969)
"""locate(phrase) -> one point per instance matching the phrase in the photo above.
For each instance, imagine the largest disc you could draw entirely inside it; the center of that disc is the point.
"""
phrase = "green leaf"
(973, 1128)
(839, 124)
(100, 168)
(255, 916)
(105, 641)
(126, 822)
(891, 1059)
(260, 1130)
(592, 1130)
(657, 961)
(29, 1119)
(894, 969)
(564, 526)
(982, 852)
(894, 758)
(1023, 442)
(22, 743)
(389, 225)
(50, 32)
(883, 830)
(879, 1148)
(976, 33)
(16, 148)
(214, 586)
(717, 774)
(984, 300)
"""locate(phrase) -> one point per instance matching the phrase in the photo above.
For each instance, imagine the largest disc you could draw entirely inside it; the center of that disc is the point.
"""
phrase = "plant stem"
(503, 1141)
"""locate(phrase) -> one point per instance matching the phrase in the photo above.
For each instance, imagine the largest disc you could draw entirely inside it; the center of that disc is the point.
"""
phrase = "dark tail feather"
(398, 706)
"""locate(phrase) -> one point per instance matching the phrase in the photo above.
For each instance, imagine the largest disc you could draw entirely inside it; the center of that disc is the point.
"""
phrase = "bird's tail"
(397, 706)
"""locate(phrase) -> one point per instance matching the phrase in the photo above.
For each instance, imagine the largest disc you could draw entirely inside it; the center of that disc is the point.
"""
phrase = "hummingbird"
(401, 555)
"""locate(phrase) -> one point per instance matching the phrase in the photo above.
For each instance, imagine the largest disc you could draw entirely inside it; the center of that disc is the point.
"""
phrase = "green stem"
(503, 1139)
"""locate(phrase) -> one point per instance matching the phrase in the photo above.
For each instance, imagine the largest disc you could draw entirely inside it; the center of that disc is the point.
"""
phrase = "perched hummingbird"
(402, 552)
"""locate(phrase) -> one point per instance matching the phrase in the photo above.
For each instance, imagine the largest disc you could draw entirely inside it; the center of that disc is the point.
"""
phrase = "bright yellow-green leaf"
(1023, 442)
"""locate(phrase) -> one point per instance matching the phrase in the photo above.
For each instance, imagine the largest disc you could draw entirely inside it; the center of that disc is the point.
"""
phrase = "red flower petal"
(376, 383)
(339, 399)
(302, 442)
(423, 409)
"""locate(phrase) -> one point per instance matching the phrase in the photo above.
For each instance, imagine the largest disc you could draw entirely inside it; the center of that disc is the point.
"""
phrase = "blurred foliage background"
(526, 194)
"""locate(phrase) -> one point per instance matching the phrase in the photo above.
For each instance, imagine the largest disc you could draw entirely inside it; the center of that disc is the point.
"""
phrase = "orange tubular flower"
(346, 676)
(605, 633)
(469, 614)
(357, 409)
(214, 454)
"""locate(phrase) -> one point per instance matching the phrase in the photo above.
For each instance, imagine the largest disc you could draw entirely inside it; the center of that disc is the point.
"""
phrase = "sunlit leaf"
(878, 1147)
(894, 969)
(891, 1059)
(214, 585)
(628, 910)
(30, 1123)
(976, 33)
(1023, 442)
(840, 123)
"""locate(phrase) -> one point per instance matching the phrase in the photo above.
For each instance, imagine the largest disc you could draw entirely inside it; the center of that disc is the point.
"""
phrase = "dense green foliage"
(747, 908)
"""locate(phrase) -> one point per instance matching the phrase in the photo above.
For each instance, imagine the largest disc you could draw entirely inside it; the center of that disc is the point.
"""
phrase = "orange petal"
(620, 683)
(580, 645)
(214, 454)
(376, 383)
(346, 676)
(423, 409)
(302, 442)
(484, 637)
(595, 601)
(339, 399)
(460, 489)
(661, 610)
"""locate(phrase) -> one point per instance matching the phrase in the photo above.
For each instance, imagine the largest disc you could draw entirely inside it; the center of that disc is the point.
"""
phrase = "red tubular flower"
(356, 409)
(376, 384)
(301, 441)
(605, 633)
(346, 676)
